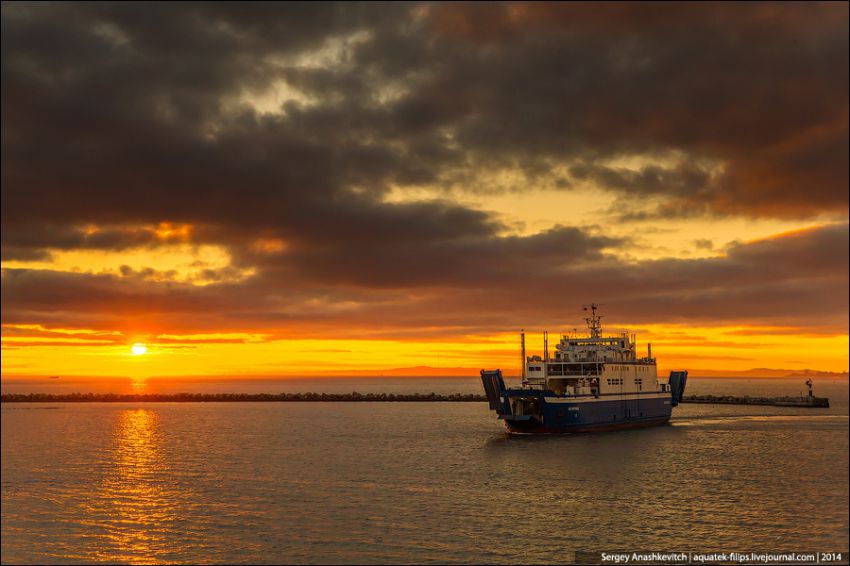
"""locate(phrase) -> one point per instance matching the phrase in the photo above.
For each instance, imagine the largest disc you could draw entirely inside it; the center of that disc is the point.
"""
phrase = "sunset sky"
(312, 189)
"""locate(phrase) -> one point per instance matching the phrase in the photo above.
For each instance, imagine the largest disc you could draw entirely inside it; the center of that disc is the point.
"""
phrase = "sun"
(138, 349)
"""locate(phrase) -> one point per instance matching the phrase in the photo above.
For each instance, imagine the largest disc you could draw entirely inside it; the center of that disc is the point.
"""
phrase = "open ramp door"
(494, 387)
(677, 386)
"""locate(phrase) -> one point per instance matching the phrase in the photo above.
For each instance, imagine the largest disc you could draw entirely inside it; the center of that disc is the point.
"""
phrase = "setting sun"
(138, 349)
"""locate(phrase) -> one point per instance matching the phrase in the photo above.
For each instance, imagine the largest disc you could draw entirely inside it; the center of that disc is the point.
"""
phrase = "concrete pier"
(815, 402)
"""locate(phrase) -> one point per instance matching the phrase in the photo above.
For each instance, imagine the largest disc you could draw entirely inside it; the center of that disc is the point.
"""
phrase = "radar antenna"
(594, 321)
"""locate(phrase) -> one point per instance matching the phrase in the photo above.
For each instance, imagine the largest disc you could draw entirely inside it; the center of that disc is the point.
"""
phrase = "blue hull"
(597, 415)
(528, 427)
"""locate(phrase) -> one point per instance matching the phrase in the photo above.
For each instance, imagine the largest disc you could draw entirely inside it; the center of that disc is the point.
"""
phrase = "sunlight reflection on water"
(136, 501)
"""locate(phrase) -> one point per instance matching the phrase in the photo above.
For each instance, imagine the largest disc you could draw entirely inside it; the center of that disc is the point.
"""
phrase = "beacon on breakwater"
(593, 382)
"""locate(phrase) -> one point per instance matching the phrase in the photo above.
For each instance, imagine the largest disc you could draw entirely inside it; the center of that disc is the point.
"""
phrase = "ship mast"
(522, 348)
(594, 321)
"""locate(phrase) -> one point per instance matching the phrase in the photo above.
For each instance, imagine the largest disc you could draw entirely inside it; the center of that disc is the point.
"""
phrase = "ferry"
(593, 383)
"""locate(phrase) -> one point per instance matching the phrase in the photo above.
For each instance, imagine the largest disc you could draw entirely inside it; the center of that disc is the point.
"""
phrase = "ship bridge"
(620, 348)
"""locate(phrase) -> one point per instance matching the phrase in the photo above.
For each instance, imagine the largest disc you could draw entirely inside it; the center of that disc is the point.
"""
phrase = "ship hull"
(558, 415)
(535, 427)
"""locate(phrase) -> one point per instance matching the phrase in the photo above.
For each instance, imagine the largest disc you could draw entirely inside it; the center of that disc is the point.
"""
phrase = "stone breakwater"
(353, 397)
(747, 400)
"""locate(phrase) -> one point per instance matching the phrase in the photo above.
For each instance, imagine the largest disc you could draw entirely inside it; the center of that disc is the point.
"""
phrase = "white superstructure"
(593, 365)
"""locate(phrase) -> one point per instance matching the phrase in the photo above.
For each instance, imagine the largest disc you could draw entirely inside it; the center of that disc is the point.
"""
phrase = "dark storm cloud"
(18, 253)
(746, 86)
(63, 237)
(118, 114)
(685, 180)
(127, 115)
(127, 111)
(450, 262)
(797, 279)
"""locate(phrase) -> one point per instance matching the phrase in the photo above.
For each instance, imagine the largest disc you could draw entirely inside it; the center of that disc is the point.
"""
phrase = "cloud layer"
(278, 131)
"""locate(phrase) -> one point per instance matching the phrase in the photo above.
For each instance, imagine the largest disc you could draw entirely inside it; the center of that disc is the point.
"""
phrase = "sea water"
(414, 482)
